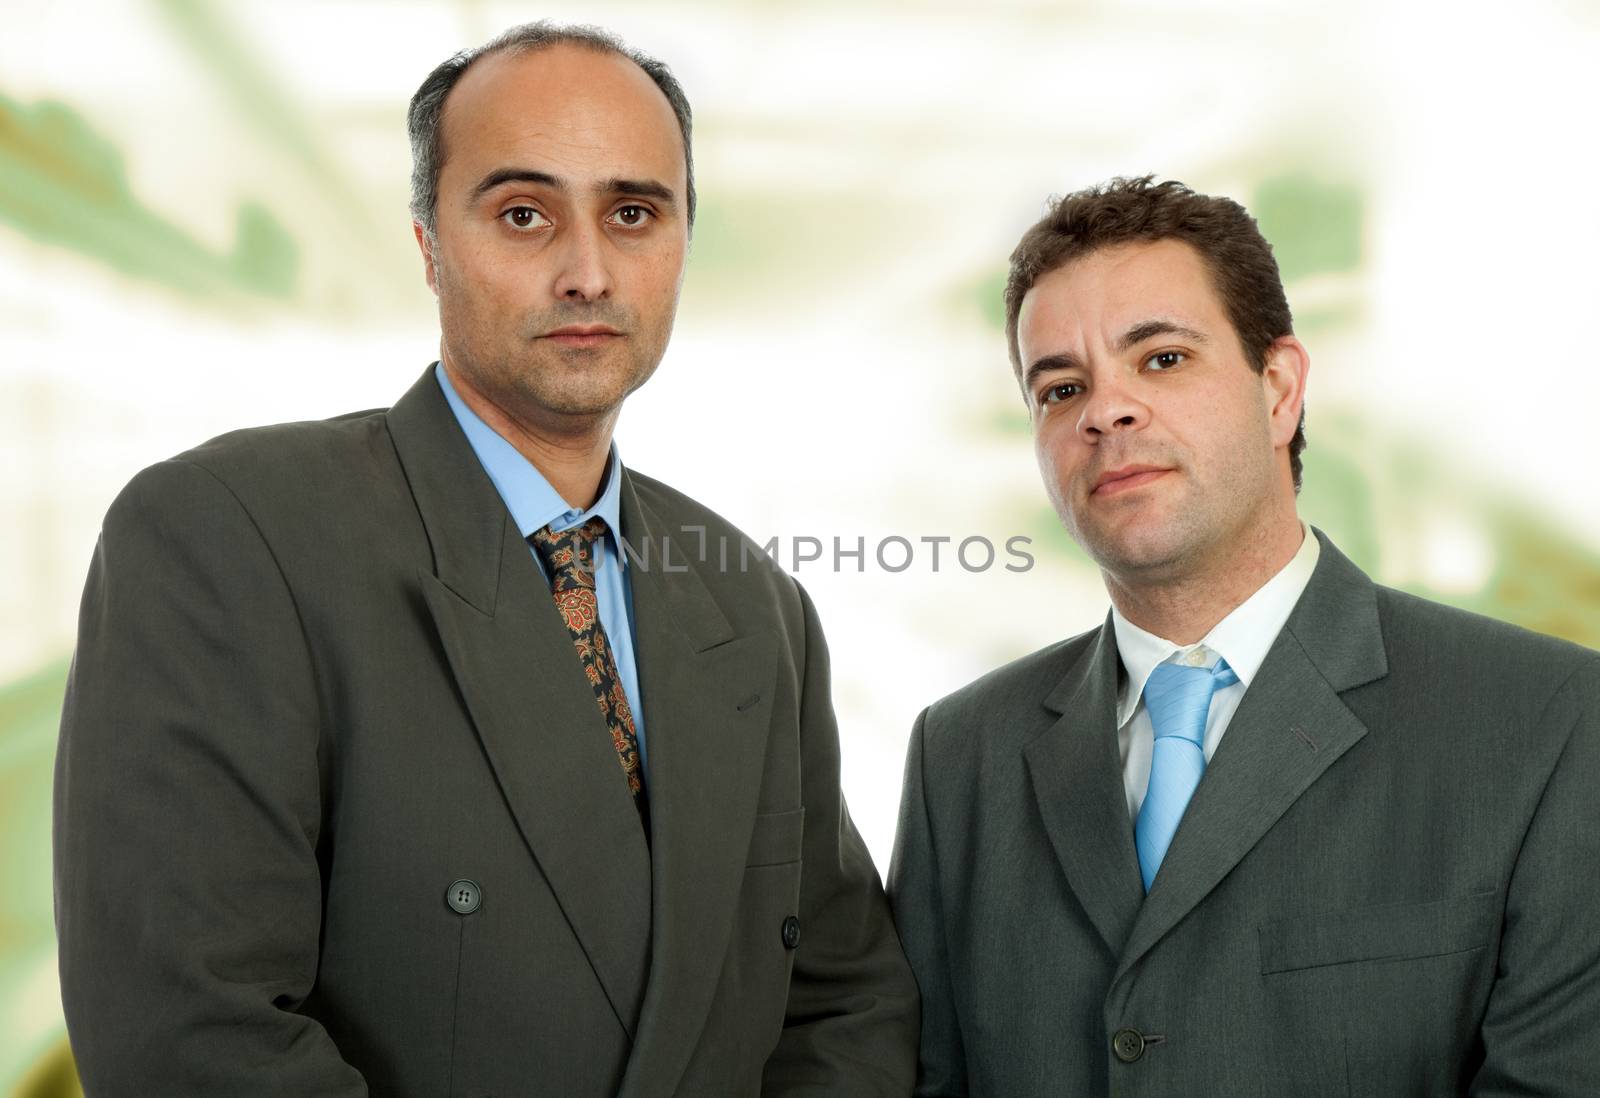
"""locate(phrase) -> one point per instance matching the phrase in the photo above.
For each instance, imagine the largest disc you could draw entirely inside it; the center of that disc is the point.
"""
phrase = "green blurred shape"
(751, 248)
(1542, 580)
(63, 184)
(53, 1076)
(1321, 320)
(1050, 537)
(30, 714)
(29, 708)
(988, 292)
(265, 102)
(1314, 226)
(1335, 493)
(265, 258)
(1009, 419)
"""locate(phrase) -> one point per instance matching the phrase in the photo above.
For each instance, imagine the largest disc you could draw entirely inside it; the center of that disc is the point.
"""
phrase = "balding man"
(419, 752)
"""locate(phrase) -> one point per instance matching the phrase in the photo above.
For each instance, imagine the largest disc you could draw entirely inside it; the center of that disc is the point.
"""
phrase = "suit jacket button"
(1128, 1044)
(791, 932)
(464, 896)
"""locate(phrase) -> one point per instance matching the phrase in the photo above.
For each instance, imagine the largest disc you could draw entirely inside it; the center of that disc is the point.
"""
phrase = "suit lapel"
(707, 697)
(534, 711)
(1077, 781)
(1289, 729)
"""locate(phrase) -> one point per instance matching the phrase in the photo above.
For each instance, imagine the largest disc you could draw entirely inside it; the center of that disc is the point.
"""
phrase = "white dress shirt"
(1242, 638)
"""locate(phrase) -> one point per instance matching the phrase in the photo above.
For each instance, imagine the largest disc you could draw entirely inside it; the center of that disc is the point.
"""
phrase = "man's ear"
(425, 243)
(1283, 382)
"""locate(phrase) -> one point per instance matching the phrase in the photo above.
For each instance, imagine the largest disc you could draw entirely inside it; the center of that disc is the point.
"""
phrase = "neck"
(1184, 608)
(569, 451)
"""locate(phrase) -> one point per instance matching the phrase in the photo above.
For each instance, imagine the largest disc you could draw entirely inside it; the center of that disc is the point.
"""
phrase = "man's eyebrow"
(516, 175)
(639, 188)
(1062, 361)
(1147, 329)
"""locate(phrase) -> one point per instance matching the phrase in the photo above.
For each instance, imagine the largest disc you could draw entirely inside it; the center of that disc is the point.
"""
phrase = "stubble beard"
(575, 382)
(1142, 549)
(1182, 537)
(533, 378)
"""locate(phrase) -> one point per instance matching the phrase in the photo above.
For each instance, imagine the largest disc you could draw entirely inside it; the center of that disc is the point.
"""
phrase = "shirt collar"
(1243, 638)
(533, 503)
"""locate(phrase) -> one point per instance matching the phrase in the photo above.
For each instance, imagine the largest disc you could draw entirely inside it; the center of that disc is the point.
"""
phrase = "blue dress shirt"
(534, 505)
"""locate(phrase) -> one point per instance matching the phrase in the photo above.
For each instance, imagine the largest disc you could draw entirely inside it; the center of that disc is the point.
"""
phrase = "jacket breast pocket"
(1379, 997)
(776, 838)
(1388, 932)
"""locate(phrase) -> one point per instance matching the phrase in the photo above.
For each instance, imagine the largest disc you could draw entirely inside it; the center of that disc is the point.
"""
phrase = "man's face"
(561, 231)
(1162, 450)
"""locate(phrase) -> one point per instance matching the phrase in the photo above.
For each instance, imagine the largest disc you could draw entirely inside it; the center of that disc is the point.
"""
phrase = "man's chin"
(1145, 553)
(576, 387)
(590, 396)
(586, 406)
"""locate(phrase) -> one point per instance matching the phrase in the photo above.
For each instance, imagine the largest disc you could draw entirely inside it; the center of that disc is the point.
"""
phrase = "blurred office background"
(203, 225)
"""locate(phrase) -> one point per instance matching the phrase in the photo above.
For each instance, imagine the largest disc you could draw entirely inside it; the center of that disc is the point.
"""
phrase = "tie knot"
(569, 554)
(1179, 698)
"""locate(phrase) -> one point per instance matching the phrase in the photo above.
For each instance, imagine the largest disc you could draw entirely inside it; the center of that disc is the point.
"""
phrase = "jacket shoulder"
(1472, 652)
(312, 451)
(1032, 675)
(294, 481)
(1007, 699)
(1502, 698)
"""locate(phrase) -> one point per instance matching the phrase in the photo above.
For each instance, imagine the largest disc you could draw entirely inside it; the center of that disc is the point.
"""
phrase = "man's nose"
(1111, 406)
(583, 273)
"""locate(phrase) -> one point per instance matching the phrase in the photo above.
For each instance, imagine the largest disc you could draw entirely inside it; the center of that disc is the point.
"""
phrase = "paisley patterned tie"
(569, 559)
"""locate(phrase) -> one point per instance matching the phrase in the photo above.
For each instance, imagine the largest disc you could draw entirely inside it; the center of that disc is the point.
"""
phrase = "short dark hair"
(427, 105)
(1127, 211)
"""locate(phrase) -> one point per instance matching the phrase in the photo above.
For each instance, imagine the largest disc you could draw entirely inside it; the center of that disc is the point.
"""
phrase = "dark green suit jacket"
(319, 679)
(1384, 885)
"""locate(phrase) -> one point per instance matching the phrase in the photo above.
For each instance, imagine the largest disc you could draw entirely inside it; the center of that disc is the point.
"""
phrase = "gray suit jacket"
(1384, 885)
(319, 679)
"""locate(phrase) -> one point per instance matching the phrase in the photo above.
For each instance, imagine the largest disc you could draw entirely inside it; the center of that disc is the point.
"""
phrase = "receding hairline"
(513, 50)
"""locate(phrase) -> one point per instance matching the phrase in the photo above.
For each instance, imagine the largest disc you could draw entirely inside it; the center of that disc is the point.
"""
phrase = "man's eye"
(1165, 360)
(524, 217)
(632, 217)
(1055, 394)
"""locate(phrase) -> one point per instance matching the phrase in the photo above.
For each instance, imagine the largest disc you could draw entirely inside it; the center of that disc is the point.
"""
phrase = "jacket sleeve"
(850, 1027)
(914, 895)
(187, 810)
(1541, 1029)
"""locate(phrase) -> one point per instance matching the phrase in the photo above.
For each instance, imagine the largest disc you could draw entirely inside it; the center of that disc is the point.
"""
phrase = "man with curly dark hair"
(1272, 829)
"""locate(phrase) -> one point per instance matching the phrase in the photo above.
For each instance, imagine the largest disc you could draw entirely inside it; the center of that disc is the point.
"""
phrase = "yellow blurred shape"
(54, 1076)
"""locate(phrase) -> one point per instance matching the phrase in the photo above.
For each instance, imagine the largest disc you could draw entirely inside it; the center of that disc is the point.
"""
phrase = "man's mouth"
(582, 335)
(1127, 478)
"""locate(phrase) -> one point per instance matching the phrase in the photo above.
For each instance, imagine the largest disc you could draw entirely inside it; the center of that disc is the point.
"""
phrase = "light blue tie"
(1178, 698)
